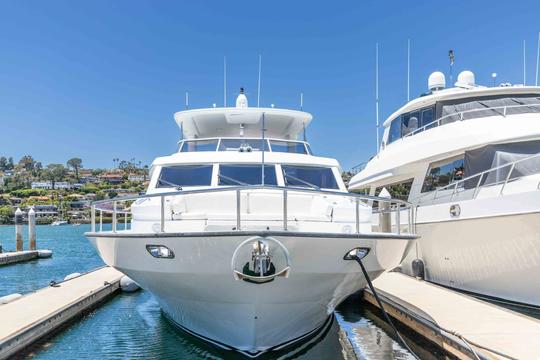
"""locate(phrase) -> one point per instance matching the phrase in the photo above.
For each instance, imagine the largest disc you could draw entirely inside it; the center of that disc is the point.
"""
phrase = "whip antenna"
(224, 81)
(259, 82)
(537, 57)
(408, 67)
(377, 92)
(187, 100)
(452, 58)
(524, 65)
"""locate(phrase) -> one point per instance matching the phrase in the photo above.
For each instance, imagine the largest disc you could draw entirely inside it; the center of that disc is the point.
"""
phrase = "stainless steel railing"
(482, 177)
(387, 209)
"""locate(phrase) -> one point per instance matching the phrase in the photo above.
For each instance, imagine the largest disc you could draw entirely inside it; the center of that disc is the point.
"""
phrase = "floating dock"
(17, 256)
(31, 317)
(461, 325)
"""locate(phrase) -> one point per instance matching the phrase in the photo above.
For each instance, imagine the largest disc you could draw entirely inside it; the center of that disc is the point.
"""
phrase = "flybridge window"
(186, 175)
(199, 145)
(244, 145)
(309, 176)
(410, 122)
(238, 175)
(288, 147)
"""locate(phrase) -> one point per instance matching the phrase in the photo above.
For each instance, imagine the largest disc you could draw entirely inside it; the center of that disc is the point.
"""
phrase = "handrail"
(455, 184)
(461, 118)
(396, 204)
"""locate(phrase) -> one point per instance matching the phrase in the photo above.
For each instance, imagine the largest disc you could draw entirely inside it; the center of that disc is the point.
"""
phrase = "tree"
(10, 165)
(27, 163)
(3, 163)
(54, 173)
(75, 164)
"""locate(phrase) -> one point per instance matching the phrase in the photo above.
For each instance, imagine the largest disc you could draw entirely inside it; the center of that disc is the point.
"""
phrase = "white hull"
(497, 256)
(198, 291)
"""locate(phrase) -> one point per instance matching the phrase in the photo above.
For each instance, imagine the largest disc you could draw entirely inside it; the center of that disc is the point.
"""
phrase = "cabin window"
(238, 175)
(399, 190)
(427, 118)
(441, 174)
(243, 145)
(288, 147)
(309, 176)
(199, 145)
(186, 175)
(395, 130)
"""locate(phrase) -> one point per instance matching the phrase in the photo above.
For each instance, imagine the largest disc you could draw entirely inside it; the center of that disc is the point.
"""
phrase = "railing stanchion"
(114, 217)
(285, 215)
(93, 218)
(504, 111)
(125, 219)
(162, 215)
(100, 220)
(478, 186)
(357, 215)
(507, 177)
(238, 210)
(398, 218)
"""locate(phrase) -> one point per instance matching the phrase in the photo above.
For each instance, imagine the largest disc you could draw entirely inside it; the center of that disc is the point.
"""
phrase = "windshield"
(199, 145)
(288, 147)
(242, 145)
(187, 175)
(246, 175)
(309, 176)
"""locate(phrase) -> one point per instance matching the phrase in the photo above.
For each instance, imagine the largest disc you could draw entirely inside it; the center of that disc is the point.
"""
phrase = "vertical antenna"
(377, 92)
(259, 82)
(262, 149)
(452, 58)
(301, 101)
(524, 65)
(537, 56)
(408, 67)
(224, 81)
(187, 100)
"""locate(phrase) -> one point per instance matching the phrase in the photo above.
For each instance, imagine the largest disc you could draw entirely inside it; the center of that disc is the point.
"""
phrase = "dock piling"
(32, 228)
(18, 229)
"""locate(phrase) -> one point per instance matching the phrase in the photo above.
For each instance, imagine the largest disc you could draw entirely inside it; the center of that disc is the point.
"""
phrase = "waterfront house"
(112, 178)
(47, 185)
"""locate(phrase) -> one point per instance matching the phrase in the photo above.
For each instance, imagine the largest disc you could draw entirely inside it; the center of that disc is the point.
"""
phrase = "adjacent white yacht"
(468, 159)
(244, 236)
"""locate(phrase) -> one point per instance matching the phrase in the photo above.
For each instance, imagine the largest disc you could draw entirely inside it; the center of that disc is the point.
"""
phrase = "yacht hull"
(495, 256)
(199, 292)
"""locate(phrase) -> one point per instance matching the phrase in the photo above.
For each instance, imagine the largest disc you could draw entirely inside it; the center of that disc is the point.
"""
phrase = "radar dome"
(465, 79)
(241, 100)
(436, 81)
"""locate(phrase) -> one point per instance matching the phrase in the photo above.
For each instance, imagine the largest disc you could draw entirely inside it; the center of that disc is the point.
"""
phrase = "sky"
(102, 79)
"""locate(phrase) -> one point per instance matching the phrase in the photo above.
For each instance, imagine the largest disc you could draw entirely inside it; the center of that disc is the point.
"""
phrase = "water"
(131, 326)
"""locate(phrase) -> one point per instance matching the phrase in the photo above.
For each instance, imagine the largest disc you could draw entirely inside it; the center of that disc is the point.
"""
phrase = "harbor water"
(131, 326)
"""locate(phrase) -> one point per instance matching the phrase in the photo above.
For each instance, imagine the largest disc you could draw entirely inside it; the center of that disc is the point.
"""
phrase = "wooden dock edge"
(50, 323)
(447, 342)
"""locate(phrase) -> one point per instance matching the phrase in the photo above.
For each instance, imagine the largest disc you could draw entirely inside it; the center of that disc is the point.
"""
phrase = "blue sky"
(102, 79)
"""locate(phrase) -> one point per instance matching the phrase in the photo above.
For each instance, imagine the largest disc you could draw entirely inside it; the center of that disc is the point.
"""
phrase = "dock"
(461, 325)
(38, 314)
(17, 256)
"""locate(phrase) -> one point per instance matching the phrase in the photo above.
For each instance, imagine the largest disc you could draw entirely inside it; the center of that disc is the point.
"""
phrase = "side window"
(443, 174)
(427, 117)
(395, 130)
(410, 122)
(399, 190)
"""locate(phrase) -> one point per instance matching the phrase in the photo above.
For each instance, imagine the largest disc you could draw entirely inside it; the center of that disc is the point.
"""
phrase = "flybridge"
(242, 121)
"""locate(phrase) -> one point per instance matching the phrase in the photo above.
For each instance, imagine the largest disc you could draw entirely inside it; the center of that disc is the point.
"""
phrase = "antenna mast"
(408, 67)
(224, 81)
(537, 57)
(187, 100)
(452, 58)
(524, 65)
(259, 82)
(262, 150)
(377, 92)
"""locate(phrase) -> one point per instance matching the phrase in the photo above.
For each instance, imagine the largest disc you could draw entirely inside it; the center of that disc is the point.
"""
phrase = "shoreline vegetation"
(58, 192)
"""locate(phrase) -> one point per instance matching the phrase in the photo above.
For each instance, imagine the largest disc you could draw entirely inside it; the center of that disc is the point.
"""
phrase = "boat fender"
(42, 254)
(128, 285)
(418, 269)
(72, 276)
(9, 298)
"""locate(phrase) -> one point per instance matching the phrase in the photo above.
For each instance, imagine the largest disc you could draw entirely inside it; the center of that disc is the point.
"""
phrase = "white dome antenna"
(436, 81)
(466, 79)
(241, 100)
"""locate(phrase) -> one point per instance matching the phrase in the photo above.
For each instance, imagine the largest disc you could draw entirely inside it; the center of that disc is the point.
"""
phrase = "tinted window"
(246, 174)
(427, 117)
(196, 175)
(441, 175)
(242, 145)
(398, 191)
(288, 147)
(303, 176)
(199, 145)
(395, 130)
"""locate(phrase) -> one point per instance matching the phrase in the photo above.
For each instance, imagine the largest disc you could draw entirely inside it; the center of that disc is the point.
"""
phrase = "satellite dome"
(465, 79)
(436, 81)
(241, 100)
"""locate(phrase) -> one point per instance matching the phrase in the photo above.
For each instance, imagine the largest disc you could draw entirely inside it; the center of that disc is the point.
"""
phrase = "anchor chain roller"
(260, 259)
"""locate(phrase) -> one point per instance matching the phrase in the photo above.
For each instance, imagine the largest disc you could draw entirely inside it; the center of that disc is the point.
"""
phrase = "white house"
(47, 185)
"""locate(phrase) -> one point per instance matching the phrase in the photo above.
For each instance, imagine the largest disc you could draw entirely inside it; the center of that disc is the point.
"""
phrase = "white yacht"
(468, 159)
(244, 236)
